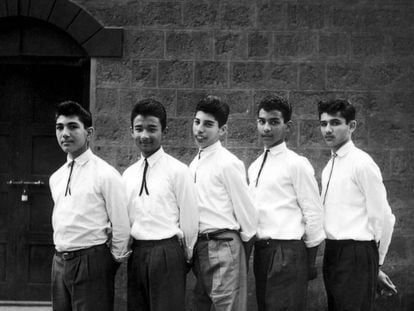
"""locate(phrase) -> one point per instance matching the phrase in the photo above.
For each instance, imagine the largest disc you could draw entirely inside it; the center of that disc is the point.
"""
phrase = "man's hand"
(385, 286)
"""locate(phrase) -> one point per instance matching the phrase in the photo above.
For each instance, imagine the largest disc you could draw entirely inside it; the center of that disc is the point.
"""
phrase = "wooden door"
(29, 154)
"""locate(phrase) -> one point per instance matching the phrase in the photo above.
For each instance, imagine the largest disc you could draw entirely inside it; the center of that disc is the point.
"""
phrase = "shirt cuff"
(121, 258)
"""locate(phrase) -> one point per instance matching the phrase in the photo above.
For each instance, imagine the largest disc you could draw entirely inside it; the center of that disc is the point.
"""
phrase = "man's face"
(147, 133)
(272, 128)
(72, 136)
(206, 129)
(335, 130)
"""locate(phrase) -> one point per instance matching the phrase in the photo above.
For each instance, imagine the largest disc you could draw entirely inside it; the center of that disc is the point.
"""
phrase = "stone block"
(310, 16)
(120, 14)
(364, 45)
(41, 10)
(271, 15)
(237, 15)
(230, 45)
(250, 74)
(309, 134)
(144, 73)
(187, 101)
(144, 43)
(260, 45)
(334, 45)
(109, 129)
(127, 99)
(112, 72)
(211, 74)
(402, 163)
(392, 133)
(3, 9)
(189, 45)
(83, 27)
(295, 45)
(161, 14)
(382, 159)
(401, 251)
(402, 45)
(389, 76)
(242, 132)
(175, 74)
(107, 101)
(281, 76)
(125, 157)
(312, 76)
(179, 132)
(342, 76)
(201, 14)
(305, 103)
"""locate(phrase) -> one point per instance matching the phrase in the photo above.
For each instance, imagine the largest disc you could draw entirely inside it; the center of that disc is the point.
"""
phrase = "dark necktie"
(144, 180)
(195, 174)
(261, 166)
(329, 179)
(70, 175)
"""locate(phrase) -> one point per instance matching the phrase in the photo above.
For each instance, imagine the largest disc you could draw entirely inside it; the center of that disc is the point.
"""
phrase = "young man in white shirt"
(227, 215)
(286, 195)
(163, 211)
(358, 219)
(90, 219)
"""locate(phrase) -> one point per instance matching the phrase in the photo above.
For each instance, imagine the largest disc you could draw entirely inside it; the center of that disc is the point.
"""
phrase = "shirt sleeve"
(307, 191)
(187, 203)
(114, 194)
(234, 176)
(380, 216)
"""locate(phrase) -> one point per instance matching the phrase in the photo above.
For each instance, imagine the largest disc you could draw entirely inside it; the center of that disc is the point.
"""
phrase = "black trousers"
(156, 276)
(281, 273)
(350, 272)
(83, 280)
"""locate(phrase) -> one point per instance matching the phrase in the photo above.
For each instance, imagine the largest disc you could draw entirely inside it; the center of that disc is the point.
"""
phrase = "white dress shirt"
(223, 198)
(170, 207)
(287, 197)
(94, 211)
(356, 205)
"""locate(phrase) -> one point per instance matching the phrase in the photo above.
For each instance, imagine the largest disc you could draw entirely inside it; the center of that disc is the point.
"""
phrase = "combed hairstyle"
(150, 107)
(71, 108)
(333, 106)
(275, 102)
(216, 107)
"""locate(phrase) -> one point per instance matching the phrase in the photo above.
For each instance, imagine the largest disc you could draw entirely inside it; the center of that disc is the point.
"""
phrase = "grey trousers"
(220, 268)
(84, 280)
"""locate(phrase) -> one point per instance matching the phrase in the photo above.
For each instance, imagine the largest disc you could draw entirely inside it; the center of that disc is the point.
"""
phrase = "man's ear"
(165, 131)
(289, 126)
(90, 131)
(352, 125)
(223, 130)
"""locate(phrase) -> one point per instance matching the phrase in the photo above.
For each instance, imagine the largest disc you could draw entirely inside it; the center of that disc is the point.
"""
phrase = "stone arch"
(95, 39)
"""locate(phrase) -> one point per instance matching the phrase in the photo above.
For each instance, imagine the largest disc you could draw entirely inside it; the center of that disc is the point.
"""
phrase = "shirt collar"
(153, 158)
(345, 149)
(81, 159)
(212, 148)
(278, 148)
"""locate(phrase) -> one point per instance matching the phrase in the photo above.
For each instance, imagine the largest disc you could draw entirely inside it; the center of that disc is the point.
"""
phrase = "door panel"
(29, 151)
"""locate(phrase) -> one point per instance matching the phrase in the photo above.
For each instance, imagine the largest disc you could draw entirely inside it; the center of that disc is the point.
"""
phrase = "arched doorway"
(44, 59)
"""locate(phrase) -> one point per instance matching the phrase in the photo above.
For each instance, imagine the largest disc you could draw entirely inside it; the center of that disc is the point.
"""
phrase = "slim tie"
(195, 174)
(261, 166)
(70, 175)
(144, 180)
(330, 175)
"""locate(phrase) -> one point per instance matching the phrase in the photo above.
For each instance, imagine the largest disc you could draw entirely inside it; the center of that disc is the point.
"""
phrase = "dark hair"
(216, 107)
(343, 106)
(72, 108)
(150, 107)
(275, 102)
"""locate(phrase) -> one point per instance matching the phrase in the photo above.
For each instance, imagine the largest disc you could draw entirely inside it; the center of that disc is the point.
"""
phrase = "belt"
(215, 235)
(72, 254)
(152, 243)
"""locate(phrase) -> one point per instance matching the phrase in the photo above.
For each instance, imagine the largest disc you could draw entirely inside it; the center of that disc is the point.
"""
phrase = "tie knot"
(334, 155)
(199, 154)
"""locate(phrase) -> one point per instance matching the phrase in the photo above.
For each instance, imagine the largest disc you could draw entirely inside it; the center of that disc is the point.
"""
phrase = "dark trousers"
(156, 276)
(83, 280)
(220, 268)
(350, 272)
(281, 273)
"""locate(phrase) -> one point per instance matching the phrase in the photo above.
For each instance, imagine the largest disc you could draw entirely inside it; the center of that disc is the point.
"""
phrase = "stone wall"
(179, 51)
